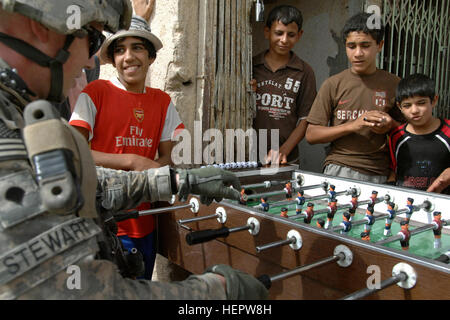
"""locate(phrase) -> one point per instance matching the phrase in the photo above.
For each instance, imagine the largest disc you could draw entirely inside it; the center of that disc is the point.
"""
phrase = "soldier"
(48, 184)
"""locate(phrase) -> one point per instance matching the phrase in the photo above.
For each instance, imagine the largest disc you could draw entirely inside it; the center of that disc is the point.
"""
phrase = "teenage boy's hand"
(379, 122)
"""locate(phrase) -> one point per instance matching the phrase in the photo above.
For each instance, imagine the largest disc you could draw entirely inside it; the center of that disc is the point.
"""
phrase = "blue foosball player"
(264, 205)
(410, 206)
(346, 223)
(300, 201)
(331, 191)
(370, 219)
(391, 210)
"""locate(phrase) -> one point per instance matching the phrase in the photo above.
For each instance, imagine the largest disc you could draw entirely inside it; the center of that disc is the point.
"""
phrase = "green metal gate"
(417, 41)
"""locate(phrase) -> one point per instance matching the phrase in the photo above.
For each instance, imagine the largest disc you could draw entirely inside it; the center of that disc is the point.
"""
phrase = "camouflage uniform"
(39, 248)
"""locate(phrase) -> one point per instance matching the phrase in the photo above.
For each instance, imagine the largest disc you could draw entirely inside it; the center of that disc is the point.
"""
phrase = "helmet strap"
(55, 64)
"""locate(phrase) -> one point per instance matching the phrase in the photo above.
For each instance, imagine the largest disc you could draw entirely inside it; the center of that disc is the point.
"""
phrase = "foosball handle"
(201, 236)
(265, 279)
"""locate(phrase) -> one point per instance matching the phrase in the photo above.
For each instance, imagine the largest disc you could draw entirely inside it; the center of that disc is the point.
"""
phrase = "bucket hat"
(138, 28)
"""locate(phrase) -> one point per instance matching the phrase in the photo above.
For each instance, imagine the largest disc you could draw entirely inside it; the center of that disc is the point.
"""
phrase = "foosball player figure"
(284, 212)
(331, 191)
(391, 210)
(288, 190)
(405, 233)
(263, 205)
(445, 257)
(370, 219)
(365, 236)
(354, 202)
(409, 205)
(352, 212)
(243, 197)
(332, 208)
(437, 229)
(309, 213)
(346, 223)
(300, 201)
(320, 223)
(373, 197)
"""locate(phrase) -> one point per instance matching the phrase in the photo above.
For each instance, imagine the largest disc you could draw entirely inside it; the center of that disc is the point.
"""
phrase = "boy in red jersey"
(420, 149)
(128, 124)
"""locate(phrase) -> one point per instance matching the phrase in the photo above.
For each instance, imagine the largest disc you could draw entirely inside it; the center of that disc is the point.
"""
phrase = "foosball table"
(311, 236)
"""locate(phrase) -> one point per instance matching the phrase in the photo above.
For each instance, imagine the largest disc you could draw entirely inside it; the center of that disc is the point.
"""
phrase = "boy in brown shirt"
(285, 86)
(355, 109)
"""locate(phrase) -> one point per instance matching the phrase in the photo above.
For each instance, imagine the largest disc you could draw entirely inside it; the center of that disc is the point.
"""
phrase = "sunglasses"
(96, 39)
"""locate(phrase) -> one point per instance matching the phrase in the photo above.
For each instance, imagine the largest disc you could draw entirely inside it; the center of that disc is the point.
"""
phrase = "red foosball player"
(243, 197)
(354, 202)
(346, 223)
(284, 212)
(309, 213)
(373, 197)
(320, 223)
(409, 205)
(437, 229)
(365, 236)
(406, 235)
(332, 208)
(370, 219)
(391, 211)
(288, 190)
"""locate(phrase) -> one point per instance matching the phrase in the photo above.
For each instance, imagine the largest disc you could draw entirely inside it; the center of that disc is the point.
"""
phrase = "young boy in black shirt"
(420, 148)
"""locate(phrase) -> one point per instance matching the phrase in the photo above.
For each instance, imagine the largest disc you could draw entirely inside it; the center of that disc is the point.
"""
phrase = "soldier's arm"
(121, 190)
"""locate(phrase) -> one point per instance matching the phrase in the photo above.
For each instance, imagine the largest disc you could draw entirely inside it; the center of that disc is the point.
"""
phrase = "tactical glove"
(240, 285)
(210, 183)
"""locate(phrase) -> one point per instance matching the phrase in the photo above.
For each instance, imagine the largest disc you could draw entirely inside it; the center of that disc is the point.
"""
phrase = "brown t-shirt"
(346, 96)
(283, 98)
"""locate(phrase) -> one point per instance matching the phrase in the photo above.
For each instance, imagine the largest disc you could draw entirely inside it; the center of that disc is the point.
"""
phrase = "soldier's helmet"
(68, 16)
(71, 18)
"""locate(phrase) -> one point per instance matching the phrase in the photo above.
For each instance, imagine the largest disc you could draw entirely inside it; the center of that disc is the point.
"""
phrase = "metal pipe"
(359, 222)
(412, 232)
(159, 210)
(275, 244)
(307, 267)
(401, 276)
(198, 218)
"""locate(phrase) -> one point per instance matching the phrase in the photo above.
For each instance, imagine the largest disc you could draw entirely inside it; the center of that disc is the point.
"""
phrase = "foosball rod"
(134, 214)
(379, 217)
(402, 274)
(412, 232)
(341, 254)
(341, 207)
(294, 189)
(309, 199)
(220, 214)
(293, 239)
(201, 236)
(359, 222)
(268, 184)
